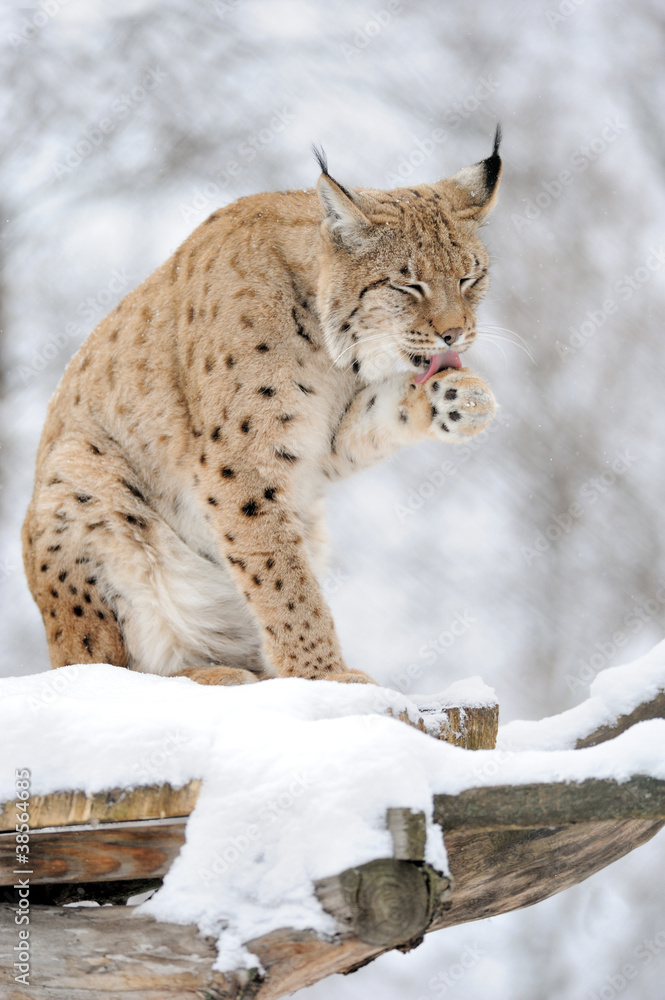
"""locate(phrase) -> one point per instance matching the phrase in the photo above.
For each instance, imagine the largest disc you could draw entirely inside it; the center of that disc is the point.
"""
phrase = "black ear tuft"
(321, 158)
(498, 135)
(493, 162)
(322, 161)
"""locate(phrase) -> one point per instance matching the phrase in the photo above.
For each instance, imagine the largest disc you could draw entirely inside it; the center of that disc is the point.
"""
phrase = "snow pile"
(471, 692)
(297, 777)
(614, 692)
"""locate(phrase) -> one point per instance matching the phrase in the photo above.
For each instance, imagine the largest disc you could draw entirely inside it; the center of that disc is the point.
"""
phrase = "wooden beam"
(519, 807)
(386, 902)
(378, 905)
(470, 727)
(145, 850)
(496, 872)
(117, 805)
(409, 834)
(113, 954)
(107, 852)
(114, 852)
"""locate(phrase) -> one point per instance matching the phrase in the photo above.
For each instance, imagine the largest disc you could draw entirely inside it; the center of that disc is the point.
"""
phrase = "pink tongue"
(449, 359)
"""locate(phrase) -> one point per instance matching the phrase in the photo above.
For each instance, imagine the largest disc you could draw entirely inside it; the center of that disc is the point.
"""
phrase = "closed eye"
(418, 289)
(467, 283)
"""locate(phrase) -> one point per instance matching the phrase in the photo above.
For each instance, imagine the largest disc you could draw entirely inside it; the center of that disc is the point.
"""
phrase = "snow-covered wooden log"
(90, 954)
(142, 850)
(532, 818)
(471, 726)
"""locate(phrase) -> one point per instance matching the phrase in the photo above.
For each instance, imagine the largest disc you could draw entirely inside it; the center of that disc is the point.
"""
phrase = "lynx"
(293, 339)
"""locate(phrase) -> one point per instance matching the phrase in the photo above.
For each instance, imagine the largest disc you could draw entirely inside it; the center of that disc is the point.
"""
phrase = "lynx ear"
(473, 190)
(344, 221)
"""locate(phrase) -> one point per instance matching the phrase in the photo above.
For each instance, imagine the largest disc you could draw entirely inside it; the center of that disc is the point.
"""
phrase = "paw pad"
(474, 404)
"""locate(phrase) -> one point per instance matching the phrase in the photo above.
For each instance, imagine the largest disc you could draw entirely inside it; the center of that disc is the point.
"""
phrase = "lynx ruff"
(293, 339)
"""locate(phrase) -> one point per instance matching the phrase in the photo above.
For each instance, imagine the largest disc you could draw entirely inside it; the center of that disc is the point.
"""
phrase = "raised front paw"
(461, 404)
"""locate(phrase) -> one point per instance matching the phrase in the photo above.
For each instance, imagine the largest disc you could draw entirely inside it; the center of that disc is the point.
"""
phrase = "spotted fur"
(175, 525)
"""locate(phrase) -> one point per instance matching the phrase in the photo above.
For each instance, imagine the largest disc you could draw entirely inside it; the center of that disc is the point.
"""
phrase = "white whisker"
(491, 343)
(497, 336)
(503, 329)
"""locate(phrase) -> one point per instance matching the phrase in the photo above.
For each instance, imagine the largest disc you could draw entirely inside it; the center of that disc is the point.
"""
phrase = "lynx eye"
(417, 288)
(467, 283)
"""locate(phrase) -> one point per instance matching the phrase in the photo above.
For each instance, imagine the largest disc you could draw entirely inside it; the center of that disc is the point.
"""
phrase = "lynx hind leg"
(68, 587)
(103, 549)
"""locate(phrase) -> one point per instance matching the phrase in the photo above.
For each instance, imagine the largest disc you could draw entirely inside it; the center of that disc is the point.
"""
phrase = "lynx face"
(404, 272)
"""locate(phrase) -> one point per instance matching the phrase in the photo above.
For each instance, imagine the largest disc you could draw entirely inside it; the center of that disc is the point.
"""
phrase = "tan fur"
(225, 676)
(175, 522)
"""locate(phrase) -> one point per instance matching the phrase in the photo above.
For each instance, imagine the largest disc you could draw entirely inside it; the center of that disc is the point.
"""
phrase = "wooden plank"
(73, 808)
(144, 850)
(409, 833)
(15, 992)
(109, 852)
(138, 850)
(496, 872)
(111, 951)
(493, 873)
(470, 727)
(517, 807)
(110, 954)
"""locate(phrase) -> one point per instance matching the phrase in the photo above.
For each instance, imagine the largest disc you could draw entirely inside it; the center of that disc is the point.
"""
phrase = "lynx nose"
(452, 335)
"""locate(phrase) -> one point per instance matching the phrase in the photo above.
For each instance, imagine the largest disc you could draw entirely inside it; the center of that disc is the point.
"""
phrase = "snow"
(470, 692)
(296, 775)
(614, 692)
